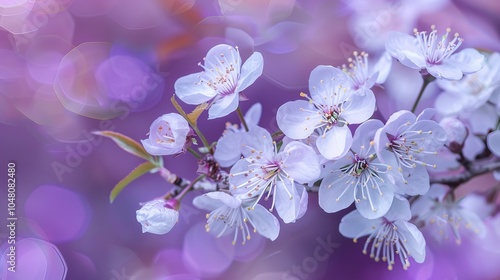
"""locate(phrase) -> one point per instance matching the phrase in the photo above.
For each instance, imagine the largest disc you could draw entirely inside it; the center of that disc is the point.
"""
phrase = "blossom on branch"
(222, 80)
(169, 134)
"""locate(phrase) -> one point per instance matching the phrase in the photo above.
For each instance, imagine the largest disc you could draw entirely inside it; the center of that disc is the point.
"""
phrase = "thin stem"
(202, 137)
(427, 81)
(188, 188)
(242, 118)
(194, 153)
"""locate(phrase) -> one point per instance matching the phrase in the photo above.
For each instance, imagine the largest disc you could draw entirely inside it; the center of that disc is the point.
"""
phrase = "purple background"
(55, 91)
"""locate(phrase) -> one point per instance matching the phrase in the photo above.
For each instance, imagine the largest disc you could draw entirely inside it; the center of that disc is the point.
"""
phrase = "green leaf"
(126, 143)
(136, 173)
(195, 114)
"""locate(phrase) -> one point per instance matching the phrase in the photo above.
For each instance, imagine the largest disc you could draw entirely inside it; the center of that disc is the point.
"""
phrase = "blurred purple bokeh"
(69, 67)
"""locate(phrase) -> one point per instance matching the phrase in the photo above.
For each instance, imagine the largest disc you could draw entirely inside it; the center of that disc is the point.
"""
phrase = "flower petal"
(257, 140)
(223, 106)
(353, 225)
(288, 202)
(253, 115)
(403, 47)
(445, 70)
(493, 142)
(228, 149)
(359, 107)
(250, 71)
(383, 67)
(364, 135)
(335, 192)
(190, 90)
(467, 60)
(300, 162)
(374, 203)
(264, 221)
(400, 210)
(335, 143)
(414, 240)
(328, 84)
(298, 119)
(417, 181)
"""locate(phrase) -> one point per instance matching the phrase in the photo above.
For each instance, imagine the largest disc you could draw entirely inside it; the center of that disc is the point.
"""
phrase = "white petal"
(380, 203)
(493, 141)
(230, 53)
(400, 210)
(360, 107)
(265, 223)
(364, 134)
(250, 71)
(301, 162)
(335, 143)
(205, 202)
(328, 84)
(415, 240)
(403, 47)
(288, 202)
(383, 67)
(335, 192)
(257, 140)
(417, 181)
(353, 225)
(252, 116)
(223, 106)
(445, 71)
(468, 60)
(191, 91)
(450, 104)
(298, 119)
(228, 149)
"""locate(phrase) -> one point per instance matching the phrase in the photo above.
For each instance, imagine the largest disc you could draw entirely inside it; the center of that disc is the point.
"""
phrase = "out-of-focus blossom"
(229, 215)
(391, 236)
(333, 105)
(493, 141)
(359, 176)
(265, 169)
(473, 91)
(433, 54)
(221, 82)
(168, 135)
(439, 211)
(455, 130)
(363, 75)
(228, 148)
(158, 216)
(409, 139)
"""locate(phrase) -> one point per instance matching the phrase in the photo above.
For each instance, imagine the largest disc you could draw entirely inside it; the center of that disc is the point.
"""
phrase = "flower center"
(436, 49)
(233, 218)
(357, 69)
(221, 73)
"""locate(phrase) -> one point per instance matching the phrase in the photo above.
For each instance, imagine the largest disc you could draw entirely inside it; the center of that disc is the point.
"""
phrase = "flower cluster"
(329, 142)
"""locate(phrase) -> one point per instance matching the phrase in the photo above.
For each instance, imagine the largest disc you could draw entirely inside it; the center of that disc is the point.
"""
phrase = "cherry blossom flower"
(168, 135)
(158, 216)
(265, 169)
(443, 214)
(433, 54)
(391, 236)
(230, 214)
(333, 105)
(222, 80)
(410, 139)
(470, 93)
(228, 148)
(363, 75)
(359, 176)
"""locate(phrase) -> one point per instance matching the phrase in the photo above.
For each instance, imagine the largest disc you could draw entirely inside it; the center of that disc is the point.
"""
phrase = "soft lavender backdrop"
(69, 67)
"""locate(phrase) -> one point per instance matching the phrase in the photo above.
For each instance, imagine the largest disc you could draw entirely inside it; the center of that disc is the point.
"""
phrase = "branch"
(472, 171)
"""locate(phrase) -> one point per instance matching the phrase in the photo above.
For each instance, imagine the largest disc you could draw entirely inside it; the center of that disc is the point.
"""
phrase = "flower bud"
(456, 131)
(158, 216)
(168, 135)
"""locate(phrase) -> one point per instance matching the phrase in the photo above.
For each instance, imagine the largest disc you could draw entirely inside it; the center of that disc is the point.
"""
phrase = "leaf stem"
(194, 153)
(242, 118)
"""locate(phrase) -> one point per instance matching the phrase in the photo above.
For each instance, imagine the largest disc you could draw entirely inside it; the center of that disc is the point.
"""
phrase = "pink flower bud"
(158, 216)
(168, 135)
